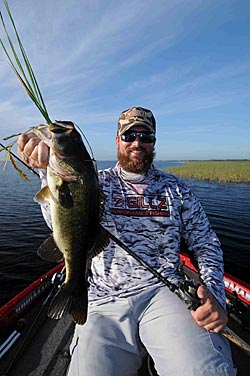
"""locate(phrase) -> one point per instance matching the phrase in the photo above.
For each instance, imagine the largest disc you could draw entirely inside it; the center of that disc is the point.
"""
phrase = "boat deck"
(48, 355)
(43, 347)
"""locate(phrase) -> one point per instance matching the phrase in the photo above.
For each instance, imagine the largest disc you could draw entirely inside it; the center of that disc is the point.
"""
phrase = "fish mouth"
(61, 126)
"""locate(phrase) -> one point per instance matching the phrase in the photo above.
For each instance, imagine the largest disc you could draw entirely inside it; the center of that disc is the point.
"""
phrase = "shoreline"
(224, 171)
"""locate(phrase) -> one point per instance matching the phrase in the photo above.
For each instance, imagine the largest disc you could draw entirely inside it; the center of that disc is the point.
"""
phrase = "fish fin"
(49, 251)
(43, 195)
(71, 300)
(102, 241)
(64, 194)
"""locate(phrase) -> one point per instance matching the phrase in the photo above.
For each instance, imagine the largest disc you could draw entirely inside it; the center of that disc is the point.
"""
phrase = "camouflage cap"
(136, 116)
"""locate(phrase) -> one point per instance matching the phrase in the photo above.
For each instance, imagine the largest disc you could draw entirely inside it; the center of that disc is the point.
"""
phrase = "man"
(149, 211)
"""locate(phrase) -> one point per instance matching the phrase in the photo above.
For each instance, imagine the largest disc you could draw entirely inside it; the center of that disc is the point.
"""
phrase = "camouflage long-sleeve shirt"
(150, 218)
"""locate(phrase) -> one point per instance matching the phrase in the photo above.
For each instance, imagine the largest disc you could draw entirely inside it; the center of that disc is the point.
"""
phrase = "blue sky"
(186, 60)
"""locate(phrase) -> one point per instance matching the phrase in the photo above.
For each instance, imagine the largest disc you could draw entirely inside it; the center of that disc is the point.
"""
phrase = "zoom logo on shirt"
(140, 206)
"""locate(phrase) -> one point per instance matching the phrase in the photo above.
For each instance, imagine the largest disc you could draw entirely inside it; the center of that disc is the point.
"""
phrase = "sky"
(186, 60)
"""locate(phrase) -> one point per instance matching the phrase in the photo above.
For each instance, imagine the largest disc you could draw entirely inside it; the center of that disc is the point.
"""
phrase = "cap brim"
(125, 128)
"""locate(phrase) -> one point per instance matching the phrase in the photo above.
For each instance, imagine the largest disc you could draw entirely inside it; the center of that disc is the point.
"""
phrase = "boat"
(31, 344)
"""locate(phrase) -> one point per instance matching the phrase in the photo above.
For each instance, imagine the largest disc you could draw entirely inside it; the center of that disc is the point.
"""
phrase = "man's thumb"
(202, 293)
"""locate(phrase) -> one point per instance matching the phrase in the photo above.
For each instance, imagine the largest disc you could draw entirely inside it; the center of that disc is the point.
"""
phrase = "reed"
(21, 66)
(218, 171)
(19, 62)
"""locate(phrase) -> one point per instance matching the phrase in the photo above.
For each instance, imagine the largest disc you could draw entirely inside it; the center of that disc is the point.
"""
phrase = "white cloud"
(93, 58)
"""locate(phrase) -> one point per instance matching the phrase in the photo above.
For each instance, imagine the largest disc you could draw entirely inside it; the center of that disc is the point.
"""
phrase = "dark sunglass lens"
(128, 137)
(146, 138)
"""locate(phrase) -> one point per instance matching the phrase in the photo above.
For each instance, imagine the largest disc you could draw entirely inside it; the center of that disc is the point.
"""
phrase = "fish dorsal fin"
(102, 241)
(43, 195)
(49, 251)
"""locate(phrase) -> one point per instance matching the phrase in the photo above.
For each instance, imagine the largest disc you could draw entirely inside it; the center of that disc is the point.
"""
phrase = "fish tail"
(70, 300)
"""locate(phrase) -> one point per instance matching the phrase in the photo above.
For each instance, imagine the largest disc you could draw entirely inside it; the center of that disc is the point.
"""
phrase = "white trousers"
(109, 344)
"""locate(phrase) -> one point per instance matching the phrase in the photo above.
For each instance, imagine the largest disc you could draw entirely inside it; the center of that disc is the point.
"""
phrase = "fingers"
(202, 293)
(32, 150)
(43, 154)
(210, 315)
(210, 318)
(26, 144)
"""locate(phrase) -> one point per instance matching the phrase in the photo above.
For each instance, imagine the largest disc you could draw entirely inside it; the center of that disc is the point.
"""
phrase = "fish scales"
(73, 193)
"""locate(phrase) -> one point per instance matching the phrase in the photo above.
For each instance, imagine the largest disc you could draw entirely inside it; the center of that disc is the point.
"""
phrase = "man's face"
(135, 156)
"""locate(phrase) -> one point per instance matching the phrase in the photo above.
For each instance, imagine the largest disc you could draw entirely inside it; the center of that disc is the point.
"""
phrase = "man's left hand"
(210, 315)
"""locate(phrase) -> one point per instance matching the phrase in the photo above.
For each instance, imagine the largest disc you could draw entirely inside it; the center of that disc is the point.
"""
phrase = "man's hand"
(33, 151)
(210, 315)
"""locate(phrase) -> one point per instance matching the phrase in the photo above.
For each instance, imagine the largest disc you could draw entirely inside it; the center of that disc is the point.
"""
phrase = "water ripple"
(23, 228)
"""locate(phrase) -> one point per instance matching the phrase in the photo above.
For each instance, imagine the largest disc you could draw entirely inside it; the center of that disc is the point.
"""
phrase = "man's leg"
(107, 344)
(177, 344)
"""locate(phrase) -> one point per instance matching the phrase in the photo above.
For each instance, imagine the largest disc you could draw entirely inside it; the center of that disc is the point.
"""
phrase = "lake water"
(22, 228)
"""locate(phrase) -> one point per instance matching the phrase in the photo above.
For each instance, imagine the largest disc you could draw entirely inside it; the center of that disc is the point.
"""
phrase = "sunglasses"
(145, 138)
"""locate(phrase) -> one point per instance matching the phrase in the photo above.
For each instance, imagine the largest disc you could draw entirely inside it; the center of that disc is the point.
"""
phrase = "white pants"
(109, 344)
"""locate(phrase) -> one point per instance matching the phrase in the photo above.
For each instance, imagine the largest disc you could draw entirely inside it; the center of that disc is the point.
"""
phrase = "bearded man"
(150, 211)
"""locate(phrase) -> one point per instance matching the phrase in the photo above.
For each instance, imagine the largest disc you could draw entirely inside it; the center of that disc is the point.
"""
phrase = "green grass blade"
(25, 58)
(14, 53)
(27, 88)
(30, 84)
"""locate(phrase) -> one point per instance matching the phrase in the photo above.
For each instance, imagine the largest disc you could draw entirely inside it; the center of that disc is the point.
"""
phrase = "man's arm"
(205, 245)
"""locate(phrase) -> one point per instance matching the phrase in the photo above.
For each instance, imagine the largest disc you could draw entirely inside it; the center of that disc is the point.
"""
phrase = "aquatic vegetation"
(237, 171)
(21, 65)
(19, 62)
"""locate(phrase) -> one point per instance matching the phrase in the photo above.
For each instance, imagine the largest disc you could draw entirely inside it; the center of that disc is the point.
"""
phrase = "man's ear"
(117, 140)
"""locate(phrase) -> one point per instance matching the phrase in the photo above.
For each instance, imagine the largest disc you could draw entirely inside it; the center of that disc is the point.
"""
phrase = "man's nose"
(137, 141)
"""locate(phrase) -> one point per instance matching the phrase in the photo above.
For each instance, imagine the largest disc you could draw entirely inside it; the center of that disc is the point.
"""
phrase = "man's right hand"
(32, 150)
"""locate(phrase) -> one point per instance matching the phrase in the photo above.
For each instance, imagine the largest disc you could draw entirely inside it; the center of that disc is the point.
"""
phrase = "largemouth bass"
(74, 197)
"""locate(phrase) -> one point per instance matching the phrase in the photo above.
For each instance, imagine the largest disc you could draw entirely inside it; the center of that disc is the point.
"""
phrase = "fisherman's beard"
(136, 165)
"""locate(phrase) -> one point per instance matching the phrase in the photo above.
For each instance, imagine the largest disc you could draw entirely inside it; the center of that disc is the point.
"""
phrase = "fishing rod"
(20, 160)
(186, 290)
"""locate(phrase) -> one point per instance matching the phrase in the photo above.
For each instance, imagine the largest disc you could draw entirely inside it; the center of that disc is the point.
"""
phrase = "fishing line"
(89, 146)
(34, 171)
(85, 138)
(20, 160)
(227, 332)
